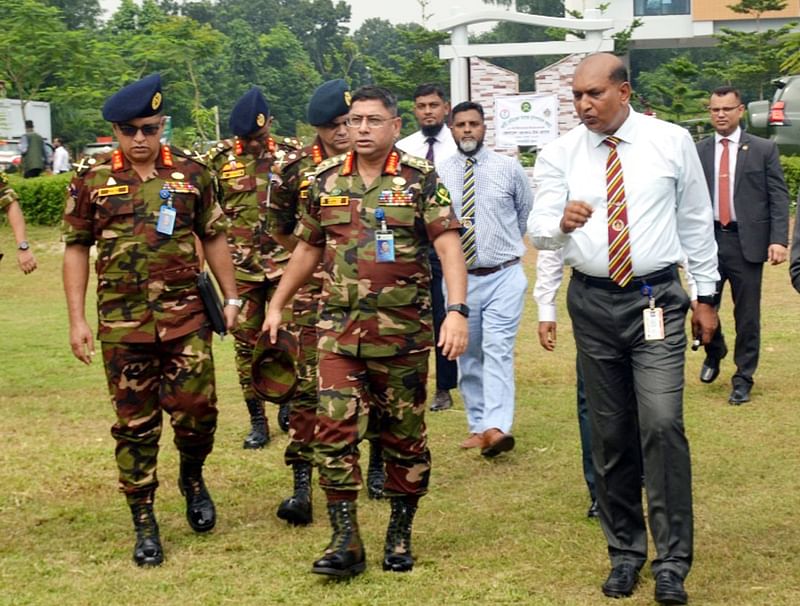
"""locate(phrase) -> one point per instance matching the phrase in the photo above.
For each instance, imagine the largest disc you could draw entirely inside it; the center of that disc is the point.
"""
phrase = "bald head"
(605, 63)
(601, 92)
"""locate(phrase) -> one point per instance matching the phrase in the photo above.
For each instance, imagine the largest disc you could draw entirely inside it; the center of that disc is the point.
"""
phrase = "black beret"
(138, 100)
(249, 114)
(329, 101)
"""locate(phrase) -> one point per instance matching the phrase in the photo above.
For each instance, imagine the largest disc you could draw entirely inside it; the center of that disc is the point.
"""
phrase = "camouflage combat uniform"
(375, 325)
(298, 175)
(249, 187)
(155, 338)
(7, 196)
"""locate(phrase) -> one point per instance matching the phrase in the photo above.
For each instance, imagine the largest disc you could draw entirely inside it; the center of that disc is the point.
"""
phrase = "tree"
(669, 90)
(752, 59)
(34, 45)
(78, 13)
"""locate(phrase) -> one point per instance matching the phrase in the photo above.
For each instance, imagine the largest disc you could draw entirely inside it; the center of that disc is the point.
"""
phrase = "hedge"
(42, 198)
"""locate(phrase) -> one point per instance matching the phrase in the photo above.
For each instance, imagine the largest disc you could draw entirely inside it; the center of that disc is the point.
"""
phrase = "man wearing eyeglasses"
(371, 218)
(248, 171)
(751, 226)
(143, 209)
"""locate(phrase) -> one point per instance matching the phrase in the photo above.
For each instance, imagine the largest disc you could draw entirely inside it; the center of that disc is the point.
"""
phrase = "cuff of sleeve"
(706, 289)
(547, 313)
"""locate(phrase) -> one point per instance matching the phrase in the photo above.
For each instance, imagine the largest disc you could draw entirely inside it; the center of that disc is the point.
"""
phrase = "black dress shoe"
(621, 581)
(593, 511)
(710, 370)
(669, 588)
(740, 395)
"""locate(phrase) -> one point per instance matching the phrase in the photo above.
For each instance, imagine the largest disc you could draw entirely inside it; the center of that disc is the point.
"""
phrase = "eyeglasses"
(372, 121)
(724, 110)
(148, 130)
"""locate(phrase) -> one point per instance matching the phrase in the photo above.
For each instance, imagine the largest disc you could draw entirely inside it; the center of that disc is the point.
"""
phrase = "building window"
(648, 8)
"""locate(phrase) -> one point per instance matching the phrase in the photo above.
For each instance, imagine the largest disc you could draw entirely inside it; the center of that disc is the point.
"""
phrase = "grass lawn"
(508, 531)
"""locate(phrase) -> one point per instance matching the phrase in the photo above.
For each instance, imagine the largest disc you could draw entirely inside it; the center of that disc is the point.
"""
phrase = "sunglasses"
(148, 130)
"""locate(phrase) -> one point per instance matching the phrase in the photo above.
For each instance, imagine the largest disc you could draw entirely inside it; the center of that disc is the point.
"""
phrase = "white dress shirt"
(668, 206)
(61, 160)
(416, 144)
(549, 274)
(733, 151)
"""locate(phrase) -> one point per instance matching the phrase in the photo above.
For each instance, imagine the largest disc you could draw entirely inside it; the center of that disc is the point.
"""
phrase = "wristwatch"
(23, 245)
(460, 308)
(706, 299)
(235, 302)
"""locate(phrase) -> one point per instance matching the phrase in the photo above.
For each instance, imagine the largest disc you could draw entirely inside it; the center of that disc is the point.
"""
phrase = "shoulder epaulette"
(289, 142)
(331, 162)
(220, 147)
(420, 164)
(192, 156)
(85, 164)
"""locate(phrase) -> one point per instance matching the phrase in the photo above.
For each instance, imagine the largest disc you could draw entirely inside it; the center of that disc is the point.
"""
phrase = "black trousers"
(633, 384)
(745, 280)
(446, 370)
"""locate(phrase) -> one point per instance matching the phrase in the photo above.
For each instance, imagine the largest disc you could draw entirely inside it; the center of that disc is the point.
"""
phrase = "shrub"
(791, 170)
(42, 198)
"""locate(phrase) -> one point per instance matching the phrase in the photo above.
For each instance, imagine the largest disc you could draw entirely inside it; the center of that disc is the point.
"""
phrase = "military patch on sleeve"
(442, 195)
(3, 178)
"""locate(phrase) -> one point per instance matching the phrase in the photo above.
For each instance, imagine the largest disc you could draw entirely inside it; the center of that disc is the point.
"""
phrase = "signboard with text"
(525, 120)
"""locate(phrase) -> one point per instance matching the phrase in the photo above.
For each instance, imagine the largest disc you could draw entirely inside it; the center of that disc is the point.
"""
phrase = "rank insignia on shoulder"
(116, 190)
(334, 201)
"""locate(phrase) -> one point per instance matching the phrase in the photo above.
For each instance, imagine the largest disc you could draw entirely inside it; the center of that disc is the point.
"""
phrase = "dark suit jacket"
(760, 197)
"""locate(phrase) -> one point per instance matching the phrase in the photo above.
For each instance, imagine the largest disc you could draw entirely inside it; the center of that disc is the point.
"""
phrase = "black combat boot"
(200, 511)
(259, 426)
(283, 416)
(344, 557)
(375, 473)
(297, 508)
(147, 551)
(397, 551)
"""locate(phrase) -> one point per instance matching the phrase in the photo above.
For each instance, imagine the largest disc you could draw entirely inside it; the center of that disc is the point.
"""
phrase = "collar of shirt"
(479, 156)
(625, 133)
(734, 136)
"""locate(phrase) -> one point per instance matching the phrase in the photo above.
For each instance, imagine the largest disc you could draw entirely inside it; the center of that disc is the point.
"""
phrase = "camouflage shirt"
(146, 280)
(372, 309)
(7, 194)
(298, 175)
(250, 189)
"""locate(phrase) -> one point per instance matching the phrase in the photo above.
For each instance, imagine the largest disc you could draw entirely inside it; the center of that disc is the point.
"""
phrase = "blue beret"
(249, 114)
(329, 101)
(138, 100)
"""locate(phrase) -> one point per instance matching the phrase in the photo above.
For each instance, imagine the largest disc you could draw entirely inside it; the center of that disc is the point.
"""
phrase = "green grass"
(510, 531)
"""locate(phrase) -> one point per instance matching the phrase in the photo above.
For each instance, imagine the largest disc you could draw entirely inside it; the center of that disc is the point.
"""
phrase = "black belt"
(485, 271)
(668, 274)
(732, 226)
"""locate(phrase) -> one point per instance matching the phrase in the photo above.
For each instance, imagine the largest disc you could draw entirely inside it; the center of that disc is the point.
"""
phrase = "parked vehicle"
(9, 155)
(779, 119)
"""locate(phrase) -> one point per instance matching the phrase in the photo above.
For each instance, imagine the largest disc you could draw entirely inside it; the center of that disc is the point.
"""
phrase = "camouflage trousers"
(144, 379)
(394, 390)
(303, 408)
(255, 296)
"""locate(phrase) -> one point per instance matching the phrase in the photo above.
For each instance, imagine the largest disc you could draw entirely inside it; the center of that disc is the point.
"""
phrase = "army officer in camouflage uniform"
(143, 209)
(10, 203)
(372, 216)
(247, 168)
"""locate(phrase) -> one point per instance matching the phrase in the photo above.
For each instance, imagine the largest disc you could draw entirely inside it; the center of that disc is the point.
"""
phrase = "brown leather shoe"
(495, 442)
(475, 440)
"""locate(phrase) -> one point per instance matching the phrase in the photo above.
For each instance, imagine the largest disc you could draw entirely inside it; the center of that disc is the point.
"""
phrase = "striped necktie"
(620, 264)
(468, 214)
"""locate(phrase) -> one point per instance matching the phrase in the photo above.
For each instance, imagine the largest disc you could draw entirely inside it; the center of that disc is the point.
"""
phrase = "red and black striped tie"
(620, 264)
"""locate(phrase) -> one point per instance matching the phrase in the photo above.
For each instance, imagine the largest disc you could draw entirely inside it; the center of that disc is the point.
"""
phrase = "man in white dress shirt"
(434, 142)
(624, 195)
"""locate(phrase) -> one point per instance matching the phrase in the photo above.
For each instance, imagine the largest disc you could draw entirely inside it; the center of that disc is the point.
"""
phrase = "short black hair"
(377, 93)
(721, 91)
(619, 74)
(465, 106)
(429, 88)
(28, 123)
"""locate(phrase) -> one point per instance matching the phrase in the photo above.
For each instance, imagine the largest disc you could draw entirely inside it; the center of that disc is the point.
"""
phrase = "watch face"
(23, 245)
